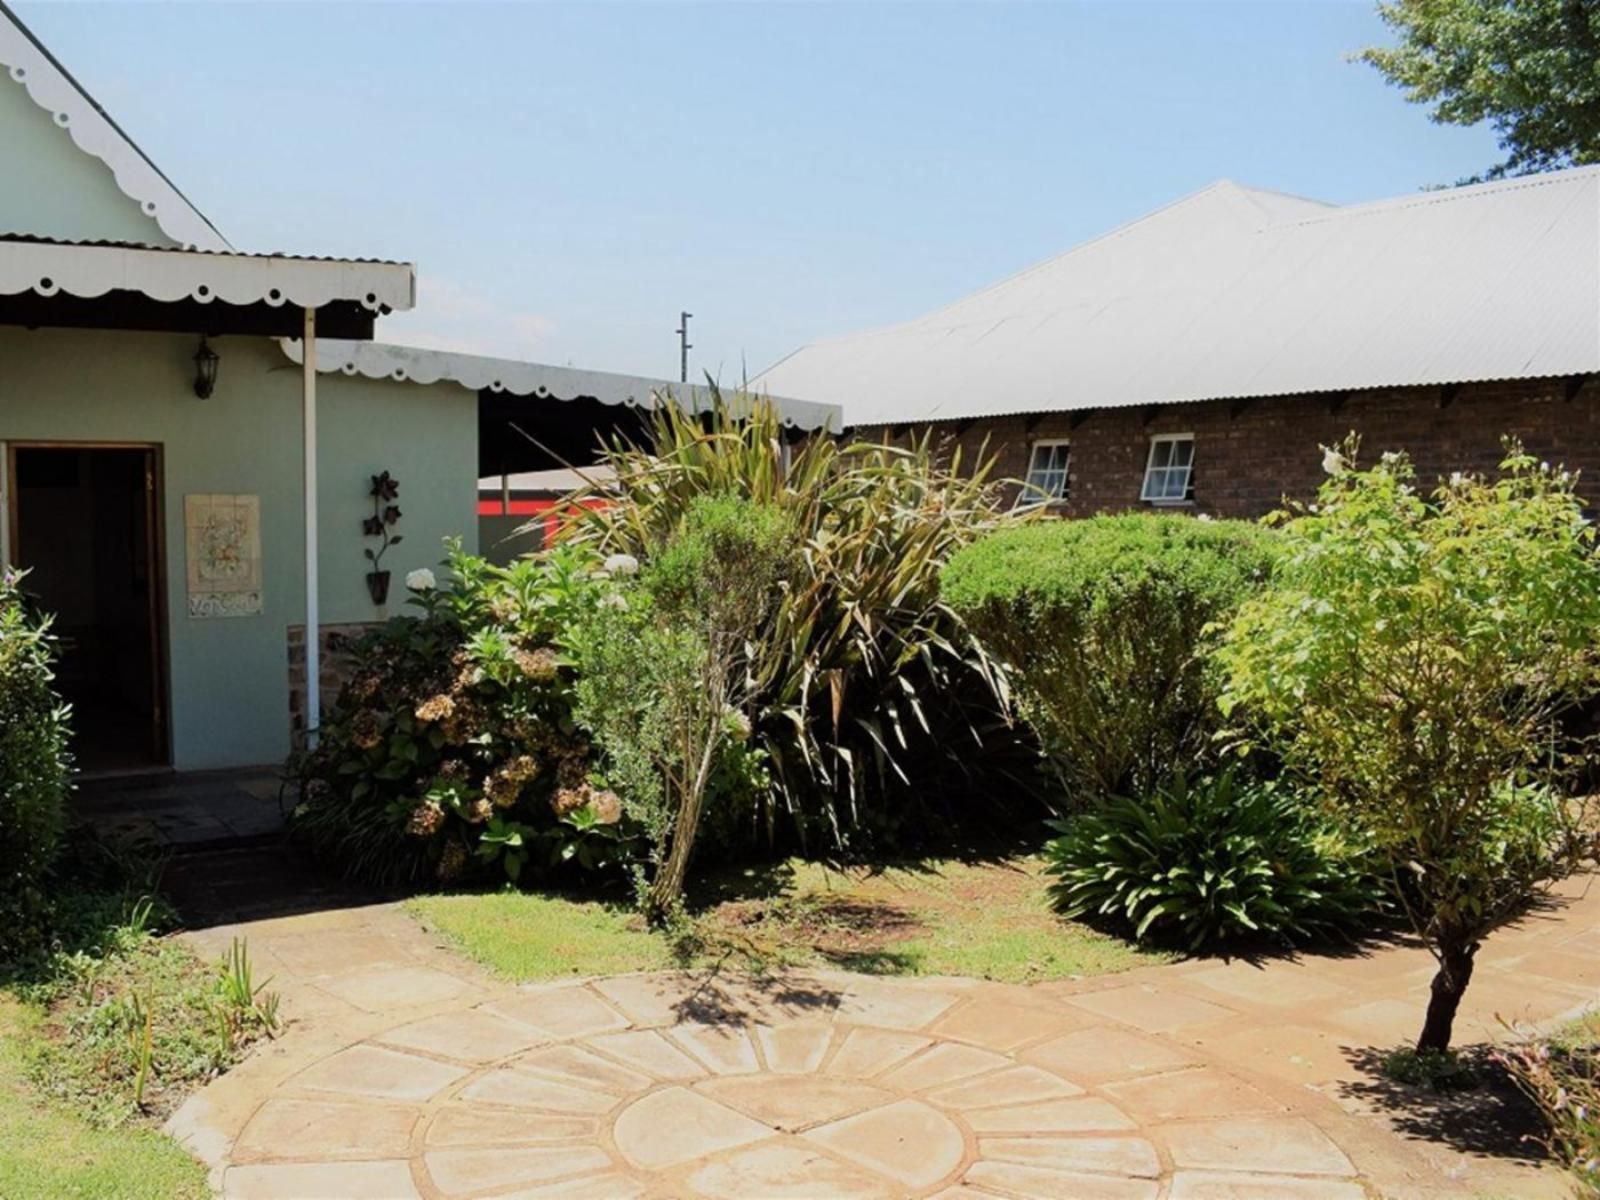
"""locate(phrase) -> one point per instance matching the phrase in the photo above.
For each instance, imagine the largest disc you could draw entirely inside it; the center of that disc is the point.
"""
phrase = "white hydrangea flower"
(621, 564)
(421, 580)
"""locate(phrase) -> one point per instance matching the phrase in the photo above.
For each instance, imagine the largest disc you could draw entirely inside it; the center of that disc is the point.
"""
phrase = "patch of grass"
(531, 936)
(48, 1152)
(1436, 1070)
(988, 920)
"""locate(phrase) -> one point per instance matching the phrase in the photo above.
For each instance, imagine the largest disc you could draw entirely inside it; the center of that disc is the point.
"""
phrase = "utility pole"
(684, 346)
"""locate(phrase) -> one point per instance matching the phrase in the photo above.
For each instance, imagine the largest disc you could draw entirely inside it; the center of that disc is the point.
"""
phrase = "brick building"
(1199, 357)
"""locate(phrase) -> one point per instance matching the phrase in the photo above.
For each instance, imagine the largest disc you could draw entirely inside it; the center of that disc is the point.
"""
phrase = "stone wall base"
(335, 670)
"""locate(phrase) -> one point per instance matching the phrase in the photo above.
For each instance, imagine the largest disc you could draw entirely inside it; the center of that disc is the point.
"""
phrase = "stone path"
(408, 1074)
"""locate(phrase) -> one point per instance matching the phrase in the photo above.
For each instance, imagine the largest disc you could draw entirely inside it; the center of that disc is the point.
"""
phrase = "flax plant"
(868, 692)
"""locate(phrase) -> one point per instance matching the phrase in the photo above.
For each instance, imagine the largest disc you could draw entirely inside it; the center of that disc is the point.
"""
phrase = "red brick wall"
(1249, 455)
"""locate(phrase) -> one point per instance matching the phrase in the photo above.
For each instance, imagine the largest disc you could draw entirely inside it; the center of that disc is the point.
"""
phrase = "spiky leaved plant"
(868, 693)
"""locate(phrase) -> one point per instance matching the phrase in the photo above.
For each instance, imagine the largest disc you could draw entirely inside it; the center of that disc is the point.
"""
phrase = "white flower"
(1333, 462)
(1457, 479)
(621, 564)
(421, 580)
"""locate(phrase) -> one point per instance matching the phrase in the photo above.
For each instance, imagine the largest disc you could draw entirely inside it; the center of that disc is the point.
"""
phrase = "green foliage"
(664, 669)
(34, 767)
(452, 748)
(1209, 862)
(1529, 67)
(1436, 1070)
(1412, 662)
(868, 698)
(1561, 1075)
(1104, 622)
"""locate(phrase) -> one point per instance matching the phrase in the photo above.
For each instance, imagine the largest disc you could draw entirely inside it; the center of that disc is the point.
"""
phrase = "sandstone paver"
(677, 1126)
(407, 1073)
(908, 1141)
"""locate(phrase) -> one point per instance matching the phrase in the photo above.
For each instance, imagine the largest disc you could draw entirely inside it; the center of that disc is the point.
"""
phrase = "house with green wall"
(186, 485)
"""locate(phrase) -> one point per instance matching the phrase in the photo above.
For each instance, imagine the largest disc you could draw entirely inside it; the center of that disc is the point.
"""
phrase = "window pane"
(1182, 453)
(1160, 453)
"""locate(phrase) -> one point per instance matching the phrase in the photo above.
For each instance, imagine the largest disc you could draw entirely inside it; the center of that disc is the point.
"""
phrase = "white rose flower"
(621, 564)
(421, 580)
(1333, 462)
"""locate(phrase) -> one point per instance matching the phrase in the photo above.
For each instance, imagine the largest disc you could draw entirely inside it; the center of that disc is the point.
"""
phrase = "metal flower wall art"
(385, 515)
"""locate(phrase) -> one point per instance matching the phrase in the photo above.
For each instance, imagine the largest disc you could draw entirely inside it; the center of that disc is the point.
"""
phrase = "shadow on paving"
(1494, 1118)
(226, 885)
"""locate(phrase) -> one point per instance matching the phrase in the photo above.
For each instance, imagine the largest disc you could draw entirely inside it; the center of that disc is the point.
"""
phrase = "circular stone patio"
(807, 1088)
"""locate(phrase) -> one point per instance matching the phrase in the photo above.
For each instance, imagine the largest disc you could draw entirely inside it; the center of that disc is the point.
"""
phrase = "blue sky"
(568, 176)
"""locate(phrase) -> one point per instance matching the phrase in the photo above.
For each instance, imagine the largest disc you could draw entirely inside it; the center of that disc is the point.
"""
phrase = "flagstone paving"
(407, 1073)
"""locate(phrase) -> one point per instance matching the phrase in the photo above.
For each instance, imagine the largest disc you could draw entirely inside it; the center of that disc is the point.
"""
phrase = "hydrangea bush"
(452, 748)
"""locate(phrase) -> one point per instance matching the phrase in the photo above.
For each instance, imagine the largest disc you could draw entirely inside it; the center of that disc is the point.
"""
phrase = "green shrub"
(452, 747)
(34, 765)
(869, 699)
(1415, 662)
(1104, 621)
(664, 670)
(1208, 862)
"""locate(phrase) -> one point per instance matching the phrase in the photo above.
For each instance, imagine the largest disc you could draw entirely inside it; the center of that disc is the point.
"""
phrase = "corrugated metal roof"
(1234, 292)
(116, 244)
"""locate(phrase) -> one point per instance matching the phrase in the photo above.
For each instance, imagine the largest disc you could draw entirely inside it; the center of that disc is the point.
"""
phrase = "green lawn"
(48, 1152)
(985, 919)
(526, 935)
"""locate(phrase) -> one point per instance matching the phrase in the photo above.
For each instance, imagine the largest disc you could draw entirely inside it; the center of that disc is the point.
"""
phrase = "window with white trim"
(1047, 479)
(1169, 471)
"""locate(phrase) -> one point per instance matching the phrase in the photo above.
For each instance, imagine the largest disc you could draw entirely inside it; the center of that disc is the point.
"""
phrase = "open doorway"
(84, 523)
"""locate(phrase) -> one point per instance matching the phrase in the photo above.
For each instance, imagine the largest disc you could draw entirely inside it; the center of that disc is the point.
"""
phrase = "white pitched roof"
(1234, 292)
(91, 128)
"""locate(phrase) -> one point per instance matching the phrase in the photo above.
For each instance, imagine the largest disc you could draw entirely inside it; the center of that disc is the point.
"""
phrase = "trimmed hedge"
(34, 765)
(1103, 621)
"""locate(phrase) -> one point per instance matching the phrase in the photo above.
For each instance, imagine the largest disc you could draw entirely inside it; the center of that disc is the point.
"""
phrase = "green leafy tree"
(1413, 662)
(1531, 68)
(665, 671)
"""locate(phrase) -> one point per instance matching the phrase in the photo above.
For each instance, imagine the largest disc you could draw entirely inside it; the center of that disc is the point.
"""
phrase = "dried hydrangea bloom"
(452, 860)
(521, 768)
(480, 810)
(572, 771)
(568, 800)
(426, 819)
(607, 806)
(366, 729)
(504, 609)
(436, 708)
(453, 769)
(501, 790)
(540, 665)
(364, 686)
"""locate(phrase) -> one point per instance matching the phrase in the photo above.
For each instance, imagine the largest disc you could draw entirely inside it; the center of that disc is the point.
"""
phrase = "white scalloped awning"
(90, 269)
(50, 87)
(377, 360)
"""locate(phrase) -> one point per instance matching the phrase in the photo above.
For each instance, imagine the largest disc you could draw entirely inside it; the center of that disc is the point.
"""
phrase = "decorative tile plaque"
(222, 535)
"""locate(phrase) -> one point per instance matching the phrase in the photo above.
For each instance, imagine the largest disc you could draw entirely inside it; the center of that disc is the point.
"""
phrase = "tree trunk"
(1449, 984)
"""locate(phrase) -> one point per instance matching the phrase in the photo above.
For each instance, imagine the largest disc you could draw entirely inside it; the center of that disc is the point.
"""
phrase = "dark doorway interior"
(84, 526)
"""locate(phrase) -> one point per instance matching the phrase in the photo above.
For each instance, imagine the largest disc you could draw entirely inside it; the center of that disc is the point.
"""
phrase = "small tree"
(1413, 661)
(1529, 67)
(664, 672)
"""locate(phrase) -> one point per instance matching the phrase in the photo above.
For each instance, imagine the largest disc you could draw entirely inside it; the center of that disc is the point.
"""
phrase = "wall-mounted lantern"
(205, 370)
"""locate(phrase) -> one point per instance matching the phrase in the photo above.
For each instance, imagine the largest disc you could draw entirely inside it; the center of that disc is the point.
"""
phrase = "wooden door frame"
(161, 690)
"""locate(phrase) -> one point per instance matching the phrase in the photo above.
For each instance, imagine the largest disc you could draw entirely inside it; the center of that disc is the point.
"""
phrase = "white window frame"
(1150, 466)
(1031, 497)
